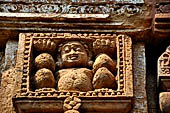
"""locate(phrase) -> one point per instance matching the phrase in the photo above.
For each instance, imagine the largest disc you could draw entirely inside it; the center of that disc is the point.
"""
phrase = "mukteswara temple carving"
(112, 7)
(84, 66)
(78, 1)
(164, 63)
(164, 80)
(71, 9)
(164, 70)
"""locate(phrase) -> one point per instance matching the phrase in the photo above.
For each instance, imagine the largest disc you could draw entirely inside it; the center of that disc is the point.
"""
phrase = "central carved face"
(73, 54)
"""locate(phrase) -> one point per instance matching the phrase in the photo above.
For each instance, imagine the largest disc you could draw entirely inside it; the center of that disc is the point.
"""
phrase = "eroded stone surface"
(46, 45)
(139, 69)
(103, 78)
(71, 105)
(74, 75)
(104, 60)
(7, 91)
(164, 101)
(44, 79)
(8, 80)
(10, 53)
(73, 54)
(164, 70)
(164, 78)
(2, 61)
(45, 60)
(75, 80)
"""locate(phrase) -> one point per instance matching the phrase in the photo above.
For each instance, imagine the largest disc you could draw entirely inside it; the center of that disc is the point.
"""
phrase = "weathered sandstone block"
(45, 60)
(103, 78)
(44, 79)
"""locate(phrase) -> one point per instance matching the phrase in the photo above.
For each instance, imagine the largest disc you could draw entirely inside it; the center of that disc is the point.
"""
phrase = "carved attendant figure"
(74, 58)
(74, 55)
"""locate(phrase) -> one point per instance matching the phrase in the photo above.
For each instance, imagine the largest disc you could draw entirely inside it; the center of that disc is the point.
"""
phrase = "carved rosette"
(30, 49)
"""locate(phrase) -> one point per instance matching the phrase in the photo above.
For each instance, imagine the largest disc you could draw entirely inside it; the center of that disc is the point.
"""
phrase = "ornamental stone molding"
(164, 70)
(164, 79)
(113, 7)
(66, 72)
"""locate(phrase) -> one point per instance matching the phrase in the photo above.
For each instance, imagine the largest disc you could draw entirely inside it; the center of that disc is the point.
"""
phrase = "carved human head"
(73, 54)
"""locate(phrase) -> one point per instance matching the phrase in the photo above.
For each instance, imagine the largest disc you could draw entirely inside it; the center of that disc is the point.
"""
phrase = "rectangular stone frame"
(51, 100)
(164, 71)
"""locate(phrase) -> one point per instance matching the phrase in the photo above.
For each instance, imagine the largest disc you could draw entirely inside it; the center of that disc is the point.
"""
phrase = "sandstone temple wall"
(132, 35)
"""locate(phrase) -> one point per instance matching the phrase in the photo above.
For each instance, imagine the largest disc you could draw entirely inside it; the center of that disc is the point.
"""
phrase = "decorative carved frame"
(164, 70)
(70, 8)
(51, 100)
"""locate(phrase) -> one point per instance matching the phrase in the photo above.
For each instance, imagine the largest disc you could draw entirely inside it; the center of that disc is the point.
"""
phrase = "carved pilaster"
(139, 70)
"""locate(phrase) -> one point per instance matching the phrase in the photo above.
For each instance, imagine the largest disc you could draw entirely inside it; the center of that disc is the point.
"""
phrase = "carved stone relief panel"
(64, 72)
(113, 7)
(164, 80)
(164, 70)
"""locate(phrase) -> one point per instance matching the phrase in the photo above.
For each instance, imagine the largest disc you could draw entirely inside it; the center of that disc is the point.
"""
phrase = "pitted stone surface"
(71, 104)
(103, 78)
(45, 60)
(139, 69)
(44, 79)
(2, 61)
(75, 80)
(7, 91)
(42, 45)
(164, 101)
(8, 80)
(104, 60)
(10, 53)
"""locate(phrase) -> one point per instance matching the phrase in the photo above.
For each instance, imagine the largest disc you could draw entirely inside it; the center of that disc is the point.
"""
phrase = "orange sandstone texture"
(44, 79)
(103, 78)
(104, 60)
(75, 79)
(45, 60)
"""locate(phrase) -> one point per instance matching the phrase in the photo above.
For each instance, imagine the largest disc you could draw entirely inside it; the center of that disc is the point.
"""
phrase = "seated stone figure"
(74, 76)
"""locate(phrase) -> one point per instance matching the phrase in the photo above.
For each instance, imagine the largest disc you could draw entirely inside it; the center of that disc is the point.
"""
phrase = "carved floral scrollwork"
(112, 9)
(163, 8)
(164, 63)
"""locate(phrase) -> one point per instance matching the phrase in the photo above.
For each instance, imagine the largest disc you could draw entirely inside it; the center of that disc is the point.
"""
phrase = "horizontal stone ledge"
(46, 29)
(56, 106)
(162, 15)
(75, 1)
(52, 15)
(55, 25)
